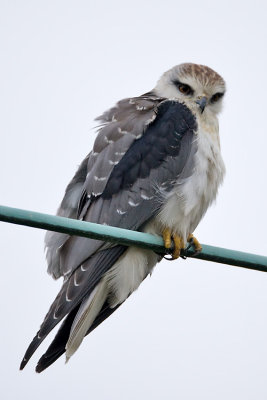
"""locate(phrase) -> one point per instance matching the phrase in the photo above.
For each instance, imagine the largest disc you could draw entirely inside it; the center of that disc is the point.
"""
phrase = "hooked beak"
(202, 102)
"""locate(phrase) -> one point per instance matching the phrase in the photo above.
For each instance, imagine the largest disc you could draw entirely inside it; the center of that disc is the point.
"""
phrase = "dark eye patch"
(216, 97)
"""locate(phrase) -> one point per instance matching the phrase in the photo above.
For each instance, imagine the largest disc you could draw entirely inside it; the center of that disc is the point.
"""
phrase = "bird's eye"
(216, 97)
(185, 89)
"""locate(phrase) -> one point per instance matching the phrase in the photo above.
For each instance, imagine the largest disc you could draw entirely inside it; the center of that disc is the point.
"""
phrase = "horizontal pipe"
(127, 237)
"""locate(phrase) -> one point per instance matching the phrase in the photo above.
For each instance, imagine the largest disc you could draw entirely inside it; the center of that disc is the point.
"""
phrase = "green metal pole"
(127, 237)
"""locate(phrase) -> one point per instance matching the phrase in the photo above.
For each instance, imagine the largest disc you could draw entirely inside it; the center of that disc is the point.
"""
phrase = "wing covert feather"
(131, 197)
(120, 126)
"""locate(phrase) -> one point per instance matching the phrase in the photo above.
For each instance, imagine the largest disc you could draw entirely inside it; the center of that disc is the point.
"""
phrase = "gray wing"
(129, 198)
(120, 127)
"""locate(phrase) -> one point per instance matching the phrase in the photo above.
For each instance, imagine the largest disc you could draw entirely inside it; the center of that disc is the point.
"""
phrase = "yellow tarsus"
(167, 238)
(178, 246)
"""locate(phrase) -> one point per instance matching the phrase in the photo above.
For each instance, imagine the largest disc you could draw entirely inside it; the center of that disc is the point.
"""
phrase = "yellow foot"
(168, 236)
(191, 239)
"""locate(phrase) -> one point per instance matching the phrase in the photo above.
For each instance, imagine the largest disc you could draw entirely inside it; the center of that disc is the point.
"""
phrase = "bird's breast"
(187, 202)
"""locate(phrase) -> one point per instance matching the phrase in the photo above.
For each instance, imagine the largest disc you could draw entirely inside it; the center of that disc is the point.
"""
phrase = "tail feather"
(72, 293)
(58, 346)
(85, 317)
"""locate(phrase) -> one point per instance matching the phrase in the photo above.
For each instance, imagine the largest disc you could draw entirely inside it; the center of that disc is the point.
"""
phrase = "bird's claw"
(179, 246)
(193, 242)
(178, 242)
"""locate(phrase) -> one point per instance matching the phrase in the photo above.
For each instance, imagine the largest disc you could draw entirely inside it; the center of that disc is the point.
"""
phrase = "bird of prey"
(155, 167)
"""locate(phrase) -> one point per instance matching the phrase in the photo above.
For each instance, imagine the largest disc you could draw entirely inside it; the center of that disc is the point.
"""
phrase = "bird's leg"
(192, 240)
(178, 241)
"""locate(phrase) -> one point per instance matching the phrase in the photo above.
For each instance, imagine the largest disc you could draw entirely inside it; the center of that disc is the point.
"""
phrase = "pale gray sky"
(194, 330)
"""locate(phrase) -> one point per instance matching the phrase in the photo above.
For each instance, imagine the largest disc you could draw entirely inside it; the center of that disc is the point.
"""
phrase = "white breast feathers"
(190, 198)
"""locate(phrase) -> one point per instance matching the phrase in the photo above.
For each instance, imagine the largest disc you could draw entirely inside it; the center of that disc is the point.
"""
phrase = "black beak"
(202, 102)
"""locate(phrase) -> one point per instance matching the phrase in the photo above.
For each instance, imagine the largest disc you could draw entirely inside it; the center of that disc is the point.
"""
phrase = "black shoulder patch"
(162, 138)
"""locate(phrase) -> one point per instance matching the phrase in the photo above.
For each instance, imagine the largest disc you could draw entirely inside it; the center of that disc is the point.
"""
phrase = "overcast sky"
(194, 330)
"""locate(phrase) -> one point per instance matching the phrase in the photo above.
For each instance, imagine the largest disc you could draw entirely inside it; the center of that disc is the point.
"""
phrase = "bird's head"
(198, 86)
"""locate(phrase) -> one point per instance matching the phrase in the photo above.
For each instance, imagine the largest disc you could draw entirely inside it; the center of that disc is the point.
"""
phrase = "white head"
(201, 88)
